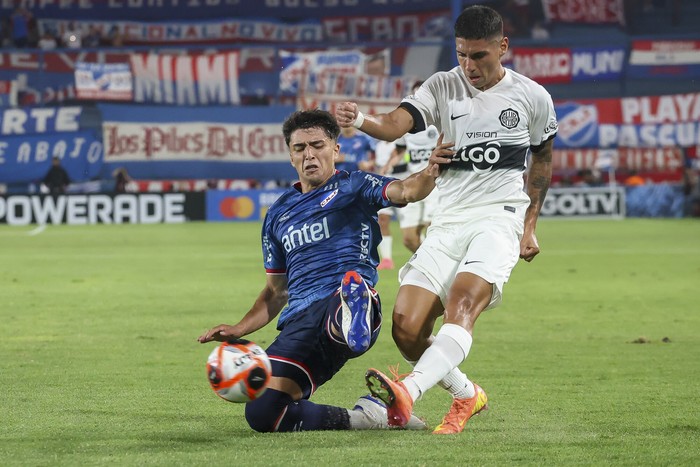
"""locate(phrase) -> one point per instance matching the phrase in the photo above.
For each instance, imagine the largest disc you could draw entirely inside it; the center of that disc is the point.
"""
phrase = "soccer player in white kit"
(490, 118)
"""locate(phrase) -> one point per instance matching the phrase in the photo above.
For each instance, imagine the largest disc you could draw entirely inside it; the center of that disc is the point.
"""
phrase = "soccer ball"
(239, 370)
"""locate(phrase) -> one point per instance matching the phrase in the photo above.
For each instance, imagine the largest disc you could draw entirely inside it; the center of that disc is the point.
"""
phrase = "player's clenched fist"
(346, 113)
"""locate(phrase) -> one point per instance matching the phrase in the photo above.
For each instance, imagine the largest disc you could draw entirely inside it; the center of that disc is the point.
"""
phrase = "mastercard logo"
(241, 207)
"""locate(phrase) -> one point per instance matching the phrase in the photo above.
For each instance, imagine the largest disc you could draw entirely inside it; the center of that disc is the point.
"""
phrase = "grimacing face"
(480, 60)
(313, 155)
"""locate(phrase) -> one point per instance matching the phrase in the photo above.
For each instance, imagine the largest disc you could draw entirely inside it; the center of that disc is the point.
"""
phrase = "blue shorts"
(306, 350)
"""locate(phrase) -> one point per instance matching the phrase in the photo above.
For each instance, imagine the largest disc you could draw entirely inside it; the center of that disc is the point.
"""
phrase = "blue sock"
(276, 411)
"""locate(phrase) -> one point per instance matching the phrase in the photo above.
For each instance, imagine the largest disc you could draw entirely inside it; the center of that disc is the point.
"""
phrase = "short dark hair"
(478, 22)
(316, 118)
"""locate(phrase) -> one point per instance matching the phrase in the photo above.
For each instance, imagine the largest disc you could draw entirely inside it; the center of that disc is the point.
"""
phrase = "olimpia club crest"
(509, 118)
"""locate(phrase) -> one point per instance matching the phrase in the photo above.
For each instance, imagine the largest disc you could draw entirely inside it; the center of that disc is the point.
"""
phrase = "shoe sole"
(357, 306)
(381, 389)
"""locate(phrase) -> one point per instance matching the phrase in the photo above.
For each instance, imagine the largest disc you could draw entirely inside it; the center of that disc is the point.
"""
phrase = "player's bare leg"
(411, 237)
(414, 315)
(386, 246)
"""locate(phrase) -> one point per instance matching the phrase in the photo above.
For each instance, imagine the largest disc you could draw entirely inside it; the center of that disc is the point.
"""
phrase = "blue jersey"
(355, 148)
(316, 237)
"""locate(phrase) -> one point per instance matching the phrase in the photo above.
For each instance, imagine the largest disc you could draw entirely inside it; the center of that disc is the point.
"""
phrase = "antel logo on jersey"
(509, 118)
(308, 233)
(482, 158)
(578, 124)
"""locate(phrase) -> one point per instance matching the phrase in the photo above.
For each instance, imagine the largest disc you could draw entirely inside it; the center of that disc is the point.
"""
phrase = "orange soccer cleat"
(461, 411)
(399, 404)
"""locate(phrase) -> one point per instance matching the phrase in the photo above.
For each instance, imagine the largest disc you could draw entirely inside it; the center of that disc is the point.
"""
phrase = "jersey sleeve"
(544, 120)
(372, 188)
(273, 254)
(423, 105)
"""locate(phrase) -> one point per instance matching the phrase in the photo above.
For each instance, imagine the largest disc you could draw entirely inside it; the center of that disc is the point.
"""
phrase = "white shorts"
(486, 244)
(420, 212)
(387, 211)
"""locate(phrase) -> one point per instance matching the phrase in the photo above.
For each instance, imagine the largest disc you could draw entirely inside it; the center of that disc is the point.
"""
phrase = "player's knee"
(263, 413)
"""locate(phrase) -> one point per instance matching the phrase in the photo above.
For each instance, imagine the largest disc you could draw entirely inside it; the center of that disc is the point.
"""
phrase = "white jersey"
(492, 131)
(382, 152)
(419, 146)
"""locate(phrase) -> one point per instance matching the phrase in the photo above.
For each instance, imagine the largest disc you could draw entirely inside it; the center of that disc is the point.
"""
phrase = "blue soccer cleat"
(356, 322)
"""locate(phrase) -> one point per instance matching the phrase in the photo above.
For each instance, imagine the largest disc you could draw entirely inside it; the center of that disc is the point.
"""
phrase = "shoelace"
(394, 370)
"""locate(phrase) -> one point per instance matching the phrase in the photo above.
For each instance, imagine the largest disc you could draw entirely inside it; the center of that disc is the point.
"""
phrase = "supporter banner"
(196, 9)
(26, 159)
(104, 81)
(584, 11)
(32, 120)
(239, 205)
(8, 93)
(196, 32)
(668, 159)
(584, 202)
(48, 77)
(151, 208)
(214, 142)
(664, 59)
(348, 62)
(186, 79)
(374, 94)
(37, 87)
(631, 122)
(437, 23)
(563, 65)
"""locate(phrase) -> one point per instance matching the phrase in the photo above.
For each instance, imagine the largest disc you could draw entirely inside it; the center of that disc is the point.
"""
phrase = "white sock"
(385, 247)
(456, 382)
(449, 349)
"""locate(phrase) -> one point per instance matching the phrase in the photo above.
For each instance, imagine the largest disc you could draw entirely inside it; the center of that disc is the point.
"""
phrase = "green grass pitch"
(99, 363)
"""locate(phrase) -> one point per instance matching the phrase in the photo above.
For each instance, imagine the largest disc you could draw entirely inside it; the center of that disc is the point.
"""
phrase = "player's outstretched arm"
(419, 185)
(538, 182)
(267, 306)
(388, 126)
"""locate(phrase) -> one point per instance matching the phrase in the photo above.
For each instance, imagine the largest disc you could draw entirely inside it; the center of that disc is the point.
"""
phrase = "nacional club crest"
(509, 118)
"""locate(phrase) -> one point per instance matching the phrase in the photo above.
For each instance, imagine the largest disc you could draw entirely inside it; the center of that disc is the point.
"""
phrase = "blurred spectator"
(691, 184)
(5, 40)
(19, 24)
(634, 179)
(376, 65)
(121, 180)
(587, 177)
(539, 32)
(72, 37)
(56, 179)
(93, 38)
(47, 41)
(115, 37)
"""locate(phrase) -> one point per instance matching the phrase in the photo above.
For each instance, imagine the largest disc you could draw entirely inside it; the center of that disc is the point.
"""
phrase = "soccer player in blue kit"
(319, 242)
